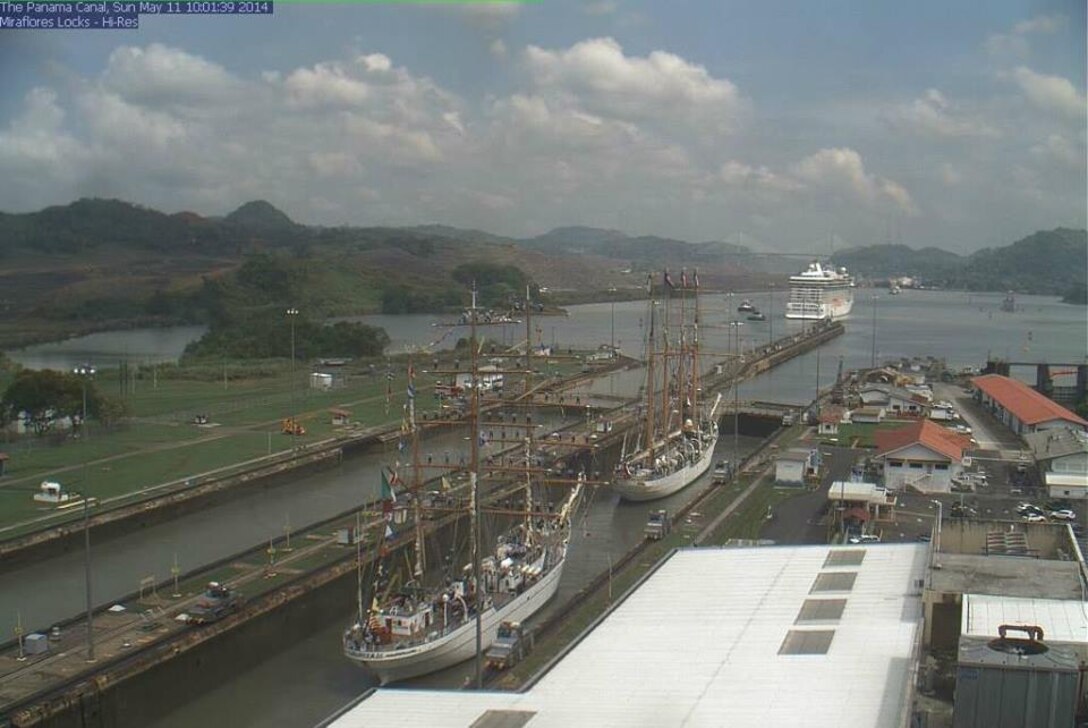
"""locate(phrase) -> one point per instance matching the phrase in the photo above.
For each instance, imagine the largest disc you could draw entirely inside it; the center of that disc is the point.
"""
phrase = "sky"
(787, 126)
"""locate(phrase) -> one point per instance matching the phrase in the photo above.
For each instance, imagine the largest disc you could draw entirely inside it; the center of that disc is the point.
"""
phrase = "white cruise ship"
(820, 293)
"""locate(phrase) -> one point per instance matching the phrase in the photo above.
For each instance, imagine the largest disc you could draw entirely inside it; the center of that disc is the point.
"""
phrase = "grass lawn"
(856, 435)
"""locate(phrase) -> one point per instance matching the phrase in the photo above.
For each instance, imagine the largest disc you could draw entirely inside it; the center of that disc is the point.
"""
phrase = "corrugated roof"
(698, 644)
(1056, 443)
(925, 433)
(1029, 406)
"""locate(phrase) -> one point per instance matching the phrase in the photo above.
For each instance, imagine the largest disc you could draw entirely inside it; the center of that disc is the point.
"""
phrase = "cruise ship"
(820, 293)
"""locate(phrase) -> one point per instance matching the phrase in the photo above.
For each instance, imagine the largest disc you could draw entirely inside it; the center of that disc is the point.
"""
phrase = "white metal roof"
(1062, 620)
(853, 490)
(1069, 479)
(698, 644)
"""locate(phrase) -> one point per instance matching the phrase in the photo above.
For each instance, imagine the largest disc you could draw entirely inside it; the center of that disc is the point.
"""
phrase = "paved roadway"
(801, 520)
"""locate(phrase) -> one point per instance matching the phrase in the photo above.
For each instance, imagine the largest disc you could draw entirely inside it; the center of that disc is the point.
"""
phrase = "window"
(808, 642)
(834, 582)
(895, 463)
(916, 466)
(821, 610)
(852, 557)
(941, 466)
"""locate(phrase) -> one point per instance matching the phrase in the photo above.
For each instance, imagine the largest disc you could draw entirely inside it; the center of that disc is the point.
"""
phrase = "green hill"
(1052, 262)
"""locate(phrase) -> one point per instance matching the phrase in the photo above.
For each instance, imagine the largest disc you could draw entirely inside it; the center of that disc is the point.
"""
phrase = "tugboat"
(757, 315)
(746, 306)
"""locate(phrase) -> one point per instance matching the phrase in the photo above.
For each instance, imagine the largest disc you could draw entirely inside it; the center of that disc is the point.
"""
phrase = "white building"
(894, 400)
(1062, 455)
(922, 455)
(793, 466)
(816, 636)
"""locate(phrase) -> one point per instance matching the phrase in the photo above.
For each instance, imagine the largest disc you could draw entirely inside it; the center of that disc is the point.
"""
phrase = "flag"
(683, 278)
(389, 531)
(668, 280)
(388, 494)
(445, 484)
(695, 278)
(411, 381)
(649, 283)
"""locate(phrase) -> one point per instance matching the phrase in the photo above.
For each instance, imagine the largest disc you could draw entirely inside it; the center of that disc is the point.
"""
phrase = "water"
(309, 679)
(965, 328)
(109, 348)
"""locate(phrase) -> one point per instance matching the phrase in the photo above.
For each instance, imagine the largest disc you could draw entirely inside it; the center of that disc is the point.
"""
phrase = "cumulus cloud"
(1050, 93)
(596, 75)
(1015, 43)
(933, 115)
(161, 75)
(842, 170)
(1057, 148)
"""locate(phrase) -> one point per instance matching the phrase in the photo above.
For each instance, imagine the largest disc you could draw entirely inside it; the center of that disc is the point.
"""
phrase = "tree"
(45, 396)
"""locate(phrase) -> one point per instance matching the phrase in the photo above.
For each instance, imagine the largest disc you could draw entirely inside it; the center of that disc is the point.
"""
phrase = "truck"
(657, 527)
(217, 602)
(291, 426)
(510, 647)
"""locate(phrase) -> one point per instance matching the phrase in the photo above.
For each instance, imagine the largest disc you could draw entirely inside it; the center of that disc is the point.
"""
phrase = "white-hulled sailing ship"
(676, 445)
(421, 629)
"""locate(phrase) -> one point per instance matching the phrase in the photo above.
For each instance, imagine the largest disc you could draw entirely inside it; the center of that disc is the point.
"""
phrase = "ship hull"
(645, 489)
(836, 307)
(460, 644)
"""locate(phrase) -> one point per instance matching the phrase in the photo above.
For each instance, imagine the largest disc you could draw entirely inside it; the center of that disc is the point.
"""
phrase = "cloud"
(832, 177)
(1015, 43)
(1050, 93)
(933, 115)
(1056, 148)
(161, 75)
(596, 75)
(841, 170)
(601, 7)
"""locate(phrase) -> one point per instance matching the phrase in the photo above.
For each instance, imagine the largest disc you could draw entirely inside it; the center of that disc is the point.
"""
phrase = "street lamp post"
(84, 372)
(292, 314)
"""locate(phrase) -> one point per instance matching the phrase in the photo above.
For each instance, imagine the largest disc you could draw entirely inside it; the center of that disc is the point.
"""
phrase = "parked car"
(1034, 518)
(1025, 507)
(1063, 515)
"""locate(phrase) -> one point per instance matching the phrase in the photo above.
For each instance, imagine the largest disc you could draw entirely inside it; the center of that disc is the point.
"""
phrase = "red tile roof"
(925, 433)
(1025, 403)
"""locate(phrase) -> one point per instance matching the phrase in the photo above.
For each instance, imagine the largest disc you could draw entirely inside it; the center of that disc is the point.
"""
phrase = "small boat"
(757, 316)
(746, 306)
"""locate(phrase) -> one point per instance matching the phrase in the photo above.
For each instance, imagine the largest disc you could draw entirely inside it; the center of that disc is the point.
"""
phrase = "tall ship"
(820, 293)
(431, 624)
(676, 445)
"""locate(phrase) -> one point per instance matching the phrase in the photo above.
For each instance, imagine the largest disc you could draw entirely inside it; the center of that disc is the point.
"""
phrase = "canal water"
(310, 679)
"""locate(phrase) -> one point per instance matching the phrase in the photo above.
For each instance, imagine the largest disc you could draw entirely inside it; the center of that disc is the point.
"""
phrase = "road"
(801, 520)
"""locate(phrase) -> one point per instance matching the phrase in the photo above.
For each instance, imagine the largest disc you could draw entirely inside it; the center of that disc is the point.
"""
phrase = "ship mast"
(681, 376)
(527, 388)
(696, 365)
(474, 485)
(651, 405)
(417, 473)
(665, 359)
